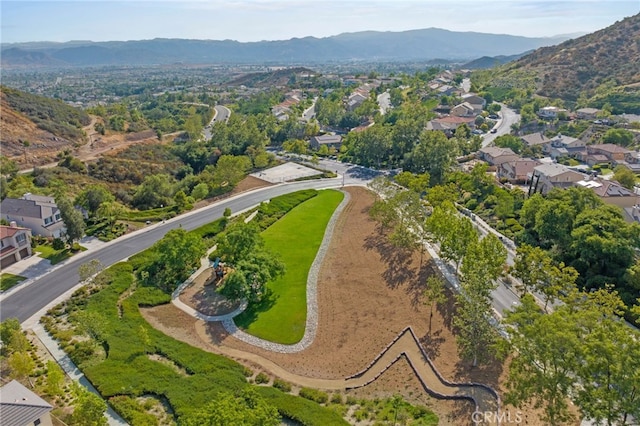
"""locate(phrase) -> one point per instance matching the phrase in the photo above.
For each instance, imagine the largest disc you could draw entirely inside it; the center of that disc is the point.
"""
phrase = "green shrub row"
(132, 412)
(314, 395)
(303, 411)
(269, 213)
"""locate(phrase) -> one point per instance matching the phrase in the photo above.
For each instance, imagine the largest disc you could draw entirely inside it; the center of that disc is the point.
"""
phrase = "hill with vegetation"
(598, 68)
(31, 122)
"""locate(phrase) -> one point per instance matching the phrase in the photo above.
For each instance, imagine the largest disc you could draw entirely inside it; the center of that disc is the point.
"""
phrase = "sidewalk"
(35, 266)
(72, 371)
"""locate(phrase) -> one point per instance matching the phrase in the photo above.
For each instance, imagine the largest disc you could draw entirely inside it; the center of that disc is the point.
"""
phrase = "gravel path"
(312, 299)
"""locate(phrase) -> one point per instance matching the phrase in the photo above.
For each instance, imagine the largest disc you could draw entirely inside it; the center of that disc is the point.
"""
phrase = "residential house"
(551, 112)
(21, 407)
(331, 141)
(610, 151)
(464, 109)
(517, 171)
(587, 113)
(564, 146)
(15, 244)
(495, 155)
(535, 139)
(355, 100)
(631, 161)
(476, 101)
(450, 123)
(611, 192)
(38, 213)
(548, 176)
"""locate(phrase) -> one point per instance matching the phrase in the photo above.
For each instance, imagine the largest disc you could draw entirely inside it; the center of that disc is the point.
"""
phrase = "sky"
(255, 20)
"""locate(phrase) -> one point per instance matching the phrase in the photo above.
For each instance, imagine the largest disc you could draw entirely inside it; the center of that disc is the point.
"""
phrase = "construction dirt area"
(368, 293)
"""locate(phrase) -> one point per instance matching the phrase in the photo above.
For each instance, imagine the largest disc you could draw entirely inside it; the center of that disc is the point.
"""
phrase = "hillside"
(422, 44)
(582, 65)
(270, 79)
(44, 125)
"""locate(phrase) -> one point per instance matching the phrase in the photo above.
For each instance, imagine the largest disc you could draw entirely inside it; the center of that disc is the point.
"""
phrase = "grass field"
(55, 256)
(296, 238)
(9, 280)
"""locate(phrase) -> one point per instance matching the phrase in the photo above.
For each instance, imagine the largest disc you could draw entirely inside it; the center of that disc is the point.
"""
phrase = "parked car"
(494, 130)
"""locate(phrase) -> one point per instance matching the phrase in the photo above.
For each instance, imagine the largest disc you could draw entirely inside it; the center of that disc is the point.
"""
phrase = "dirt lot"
(368, 292)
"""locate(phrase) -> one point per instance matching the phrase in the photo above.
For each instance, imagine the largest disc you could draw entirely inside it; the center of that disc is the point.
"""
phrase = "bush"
(57, 244)
(336, 398)
(282, 385)
(262, 378)
(314, 395)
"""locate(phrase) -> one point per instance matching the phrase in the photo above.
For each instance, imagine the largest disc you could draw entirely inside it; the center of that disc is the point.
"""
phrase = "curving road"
(28, 300)
(222, 113)
(508, 118)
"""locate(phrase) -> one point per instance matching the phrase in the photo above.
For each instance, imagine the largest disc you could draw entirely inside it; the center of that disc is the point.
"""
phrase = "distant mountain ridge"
(414, 45)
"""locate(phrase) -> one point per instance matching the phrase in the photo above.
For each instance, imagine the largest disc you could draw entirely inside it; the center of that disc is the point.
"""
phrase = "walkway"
(73, 371)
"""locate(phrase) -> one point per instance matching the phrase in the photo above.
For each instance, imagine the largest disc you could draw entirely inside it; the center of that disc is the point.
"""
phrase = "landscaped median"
(296, 238)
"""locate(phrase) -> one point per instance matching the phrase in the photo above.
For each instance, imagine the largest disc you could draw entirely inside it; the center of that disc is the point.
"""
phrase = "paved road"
(310, 112)
(222, 114)
(27, 301)
(384, 100)
(508, 117)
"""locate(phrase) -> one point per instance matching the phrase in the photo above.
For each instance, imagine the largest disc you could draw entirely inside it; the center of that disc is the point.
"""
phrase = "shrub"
(262, 378)
(282, 385)
(336, 398)
(57, 244)
(351, 400)
(314, 395)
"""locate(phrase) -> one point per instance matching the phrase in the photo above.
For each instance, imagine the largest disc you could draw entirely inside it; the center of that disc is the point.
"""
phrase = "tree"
(621, 137)
(110, 211)
(609, 371)
(530, 266)
(230, 170)
(88, 408)
(545, 349)
(481, 266)
(200, 191)
(434, 295)
(433, 154)
(55, 378)
(7, 329)
(8, 167)
(154, 191)
(297, 146)
(21, 365)
(72, 218)
(242, 248)
(247, 408)
(92, 197)
(90, 269)
(624, 176)
(178, 253)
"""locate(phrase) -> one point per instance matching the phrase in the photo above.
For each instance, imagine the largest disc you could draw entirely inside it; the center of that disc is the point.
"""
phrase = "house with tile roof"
(21, 407)
(331, 141)
(15, 244)
(36, 212)
(535, 139)
(517, 171)
(495, 155)
(611, 192)
(548, 176)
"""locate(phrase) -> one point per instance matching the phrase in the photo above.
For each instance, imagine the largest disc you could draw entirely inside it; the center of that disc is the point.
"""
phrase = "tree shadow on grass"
(250, 315)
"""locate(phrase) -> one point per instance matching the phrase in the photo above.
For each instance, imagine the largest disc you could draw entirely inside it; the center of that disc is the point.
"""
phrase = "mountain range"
(414, 45)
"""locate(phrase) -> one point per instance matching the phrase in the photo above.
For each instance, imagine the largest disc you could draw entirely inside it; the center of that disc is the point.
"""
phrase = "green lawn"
(296, 238)
(9, 280)
(55, 256)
